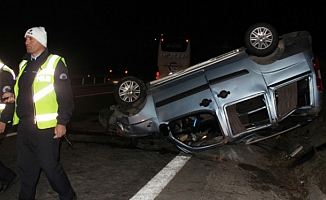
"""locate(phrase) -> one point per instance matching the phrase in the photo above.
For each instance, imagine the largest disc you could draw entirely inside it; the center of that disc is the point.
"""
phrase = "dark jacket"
(7, 83)
(62, 87)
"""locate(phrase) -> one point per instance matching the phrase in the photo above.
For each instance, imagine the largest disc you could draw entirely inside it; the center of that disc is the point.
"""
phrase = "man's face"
(33, 46)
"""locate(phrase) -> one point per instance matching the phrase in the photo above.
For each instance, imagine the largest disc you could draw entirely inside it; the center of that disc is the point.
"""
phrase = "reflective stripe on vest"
(22, 64)
(46, 117)
(2, 107)
(45, 103)
(7, 69)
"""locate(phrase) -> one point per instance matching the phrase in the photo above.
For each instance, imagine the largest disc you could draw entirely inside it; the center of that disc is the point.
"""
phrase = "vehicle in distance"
(115, 75)
(270, 86)
(173, 55)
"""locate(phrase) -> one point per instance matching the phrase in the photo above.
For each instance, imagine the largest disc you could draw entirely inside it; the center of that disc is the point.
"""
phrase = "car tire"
(261, 39)
(130, 92)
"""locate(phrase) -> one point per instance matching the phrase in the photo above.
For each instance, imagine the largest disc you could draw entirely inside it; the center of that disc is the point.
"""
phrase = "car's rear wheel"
(130, 92)
(261, 39)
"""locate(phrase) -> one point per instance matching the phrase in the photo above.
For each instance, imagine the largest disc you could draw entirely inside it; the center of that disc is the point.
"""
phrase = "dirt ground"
(304, 174)
(309, 166)
(306, 170)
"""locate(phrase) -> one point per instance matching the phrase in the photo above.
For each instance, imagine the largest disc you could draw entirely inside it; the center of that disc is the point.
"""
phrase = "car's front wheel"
(261, 39)
(130, 92)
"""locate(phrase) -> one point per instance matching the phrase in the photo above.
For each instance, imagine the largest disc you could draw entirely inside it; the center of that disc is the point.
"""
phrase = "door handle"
(223, 94)
(205, 102)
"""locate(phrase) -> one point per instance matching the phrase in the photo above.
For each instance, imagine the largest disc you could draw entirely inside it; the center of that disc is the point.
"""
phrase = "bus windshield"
(174, 44)
(173, 55)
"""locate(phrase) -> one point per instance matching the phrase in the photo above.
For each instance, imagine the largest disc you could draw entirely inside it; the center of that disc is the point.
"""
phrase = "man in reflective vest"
(7, 81)
(44, 105)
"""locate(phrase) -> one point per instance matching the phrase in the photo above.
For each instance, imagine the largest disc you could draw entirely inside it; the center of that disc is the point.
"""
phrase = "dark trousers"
(6, 174)
(37, 150)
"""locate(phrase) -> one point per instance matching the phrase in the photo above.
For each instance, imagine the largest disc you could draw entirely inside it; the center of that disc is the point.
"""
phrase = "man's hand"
(60, 130)
(2, 127)
(8, 97)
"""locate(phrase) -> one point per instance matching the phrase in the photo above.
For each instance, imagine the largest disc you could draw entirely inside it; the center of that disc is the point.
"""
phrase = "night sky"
(120, 34)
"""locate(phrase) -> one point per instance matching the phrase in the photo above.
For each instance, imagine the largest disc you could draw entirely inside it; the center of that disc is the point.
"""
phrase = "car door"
(182, 95)
(241, 96)
(186, 109)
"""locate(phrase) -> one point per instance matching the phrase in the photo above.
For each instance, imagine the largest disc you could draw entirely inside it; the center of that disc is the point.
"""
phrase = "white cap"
(38, 33)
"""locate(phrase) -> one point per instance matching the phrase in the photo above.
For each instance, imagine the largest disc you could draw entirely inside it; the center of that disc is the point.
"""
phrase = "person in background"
(44, 105)
(7, 81)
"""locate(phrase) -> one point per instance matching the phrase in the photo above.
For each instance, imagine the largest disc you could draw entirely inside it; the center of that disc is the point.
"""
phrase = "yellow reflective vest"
(44, 97)
(7, 69)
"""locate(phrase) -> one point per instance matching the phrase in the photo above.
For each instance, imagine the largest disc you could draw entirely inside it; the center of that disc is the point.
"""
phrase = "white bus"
(173, 55)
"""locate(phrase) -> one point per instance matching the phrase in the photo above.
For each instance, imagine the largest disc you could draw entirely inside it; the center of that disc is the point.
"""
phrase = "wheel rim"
(129, 91)
(261, 38)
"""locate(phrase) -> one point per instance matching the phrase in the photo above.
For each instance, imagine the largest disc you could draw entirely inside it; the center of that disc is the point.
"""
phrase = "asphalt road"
(105, 166)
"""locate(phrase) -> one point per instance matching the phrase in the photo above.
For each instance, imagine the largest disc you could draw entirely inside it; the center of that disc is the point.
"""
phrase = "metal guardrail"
(94, 79)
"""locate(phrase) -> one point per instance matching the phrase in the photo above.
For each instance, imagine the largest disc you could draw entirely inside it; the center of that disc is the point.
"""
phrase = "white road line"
(155, 186)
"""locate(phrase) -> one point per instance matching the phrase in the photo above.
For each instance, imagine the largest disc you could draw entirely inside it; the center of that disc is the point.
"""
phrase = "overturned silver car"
(270, 86)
